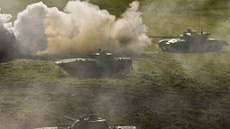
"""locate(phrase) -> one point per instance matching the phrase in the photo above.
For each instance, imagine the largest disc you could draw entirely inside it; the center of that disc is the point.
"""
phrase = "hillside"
(164, 90)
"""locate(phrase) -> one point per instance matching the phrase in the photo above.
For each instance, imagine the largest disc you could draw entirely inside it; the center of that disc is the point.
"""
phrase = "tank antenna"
(199, 24)
(66, 117)
(201, 27)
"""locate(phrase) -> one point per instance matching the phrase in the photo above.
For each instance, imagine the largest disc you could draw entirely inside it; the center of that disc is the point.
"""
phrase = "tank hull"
(88, 67)
(67, 127)
(208, 45)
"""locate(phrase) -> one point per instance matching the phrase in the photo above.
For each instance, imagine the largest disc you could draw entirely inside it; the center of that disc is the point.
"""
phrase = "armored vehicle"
(101, 63)
(90, 122)
(190, 41)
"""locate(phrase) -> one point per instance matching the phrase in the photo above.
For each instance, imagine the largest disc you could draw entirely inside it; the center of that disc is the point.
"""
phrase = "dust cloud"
(7, 38)
(81, 28)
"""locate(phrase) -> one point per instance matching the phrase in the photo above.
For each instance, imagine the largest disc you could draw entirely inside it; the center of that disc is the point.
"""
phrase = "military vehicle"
(190, 41)
(101, 63)
(90, 122)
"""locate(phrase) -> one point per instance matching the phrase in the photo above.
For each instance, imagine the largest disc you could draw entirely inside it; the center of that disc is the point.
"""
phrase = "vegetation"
(165, 90)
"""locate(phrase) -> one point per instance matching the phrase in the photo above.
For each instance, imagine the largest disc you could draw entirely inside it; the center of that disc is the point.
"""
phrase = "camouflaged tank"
(90, 122)
(190, 41)
(101, 63)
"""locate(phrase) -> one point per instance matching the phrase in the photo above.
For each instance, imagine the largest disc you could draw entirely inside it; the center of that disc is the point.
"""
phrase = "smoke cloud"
(30, 28)
(7, 38)
(81, 28)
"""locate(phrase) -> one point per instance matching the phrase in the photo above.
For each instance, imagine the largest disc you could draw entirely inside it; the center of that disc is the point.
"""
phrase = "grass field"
(165, 90)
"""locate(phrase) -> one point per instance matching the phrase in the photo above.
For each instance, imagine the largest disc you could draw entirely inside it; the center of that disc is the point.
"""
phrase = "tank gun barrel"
(66, 117)
(164, 37)
(69, 118)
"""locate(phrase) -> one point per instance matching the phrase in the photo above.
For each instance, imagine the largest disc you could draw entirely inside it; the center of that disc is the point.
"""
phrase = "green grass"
(174, 89)
(21, 70)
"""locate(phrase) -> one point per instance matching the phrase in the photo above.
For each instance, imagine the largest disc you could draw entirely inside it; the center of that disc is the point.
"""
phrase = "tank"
(190, 41)
(101, 63)
(90, 122)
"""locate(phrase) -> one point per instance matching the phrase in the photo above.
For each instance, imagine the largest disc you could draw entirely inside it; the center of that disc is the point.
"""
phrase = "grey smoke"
(7, 38)
(30, 27)
(81, 28)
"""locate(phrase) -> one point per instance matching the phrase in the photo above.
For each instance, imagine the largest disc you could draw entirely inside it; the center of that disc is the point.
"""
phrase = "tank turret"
(93, 121)
(190, 41)
(90, 122)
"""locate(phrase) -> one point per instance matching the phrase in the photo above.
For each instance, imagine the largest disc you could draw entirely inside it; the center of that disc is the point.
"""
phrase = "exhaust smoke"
(81, 28)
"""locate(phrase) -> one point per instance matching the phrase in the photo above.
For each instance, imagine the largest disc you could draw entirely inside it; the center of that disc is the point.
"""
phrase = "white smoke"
(129, 31)
(4, 20)
(81, 29)
(7, 38)
(30, 28)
